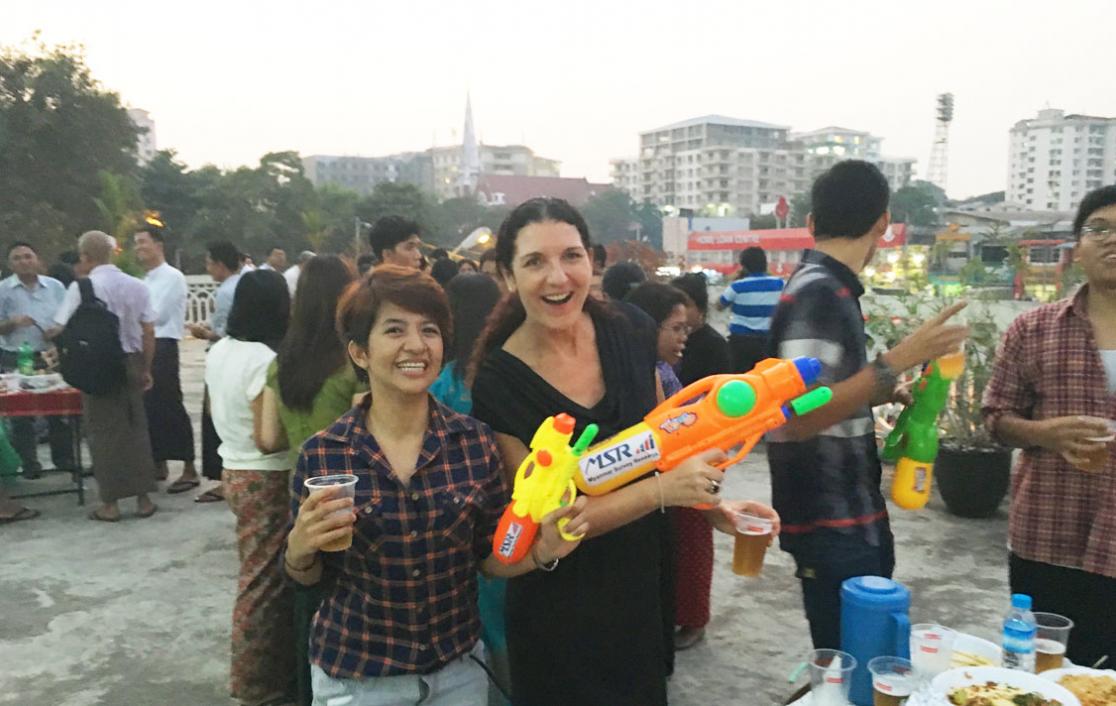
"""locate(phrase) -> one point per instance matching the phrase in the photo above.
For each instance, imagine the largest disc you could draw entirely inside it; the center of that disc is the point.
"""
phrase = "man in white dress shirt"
(172, 434)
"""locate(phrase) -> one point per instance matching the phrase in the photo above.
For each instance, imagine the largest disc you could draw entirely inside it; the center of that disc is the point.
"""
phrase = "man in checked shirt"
(1053, 387)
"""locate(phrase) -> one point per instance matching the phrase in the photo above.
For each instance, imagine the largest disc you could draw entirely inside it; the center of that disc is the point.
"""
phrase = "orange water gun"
(718, 411)
(543, 483)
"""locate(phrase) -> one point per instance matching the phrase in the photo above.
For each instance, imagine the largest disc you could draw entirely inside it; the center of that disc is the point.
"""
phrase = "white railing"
(201, 290)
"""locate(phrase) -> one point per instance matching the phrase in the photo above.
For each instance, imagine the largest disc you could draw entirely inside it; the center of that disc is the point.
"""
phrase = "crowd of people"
(426, 377)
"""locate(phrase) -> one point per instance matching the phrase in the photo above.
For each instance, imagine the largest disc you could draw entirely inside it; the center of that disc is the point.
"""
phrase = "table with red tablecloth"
(61, 402)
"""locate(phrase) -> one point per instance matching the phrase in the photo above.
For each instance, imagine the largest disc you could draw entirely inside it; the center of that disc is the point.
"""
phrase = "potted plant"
(973, 471)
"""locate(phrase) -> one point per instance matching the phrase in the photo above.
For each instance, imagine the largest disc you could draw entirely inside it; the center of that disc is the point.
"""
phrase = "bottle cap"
(1021, 601)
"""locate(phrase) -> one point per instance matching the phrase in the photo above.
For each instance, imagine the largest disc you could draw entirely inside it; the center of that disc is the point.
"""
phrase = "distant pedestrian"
(397, 241)
(753, 298)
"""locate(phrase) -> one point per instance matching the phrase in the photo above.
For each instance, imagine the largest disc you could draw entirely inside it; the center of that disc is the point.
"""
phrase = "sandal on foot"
(182, 485)
(96, 515)
(210, 496)
(148, 513)
(24, 513)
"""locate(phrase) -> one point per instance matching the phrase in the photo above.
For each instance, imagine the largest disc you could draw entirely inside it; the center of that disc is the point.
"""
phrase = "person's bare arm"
(267, 427)
(9, 325)
(1069, 435)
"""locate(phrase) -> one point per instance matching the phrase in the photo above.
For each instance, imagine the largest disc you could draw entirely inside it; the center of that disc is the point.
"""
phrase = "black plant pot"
(973, 482)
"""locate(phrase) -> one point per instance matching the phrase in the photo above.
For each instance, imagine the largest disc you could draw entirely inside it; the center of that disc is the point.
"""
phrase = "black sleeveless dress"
(598, 630)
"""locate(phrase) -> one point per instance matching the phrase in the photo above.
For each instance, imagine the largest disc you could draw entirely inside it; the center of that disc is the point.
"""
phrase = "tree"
(650, 220)
(915, 204)
(765, 222)
(119, 206)
(391, 199)
(610, 215)
(59, 129)
(800, 206)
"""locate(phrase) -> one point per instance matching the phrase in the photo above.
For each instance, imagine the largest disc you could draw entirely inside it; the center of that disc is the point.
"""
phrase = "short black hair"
(490, 256)
(658, 300)
(621, 278)
(389, 231)
(443, 270)
(365, 262)
(1094, 201)
(261, 308)
(848, 199)
(224, 252)
(696, 288)
(438, 254)
(600, 255)
(21, 244)
(753, 261)
(70, 257)
(155, 232)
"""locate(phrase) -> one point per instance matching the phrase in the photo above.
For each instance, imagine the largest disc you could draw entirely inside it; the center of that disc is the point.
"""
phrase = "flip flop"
(149, 513)
(24, 514)
(210, 496)
(181, 486)
(95, 515)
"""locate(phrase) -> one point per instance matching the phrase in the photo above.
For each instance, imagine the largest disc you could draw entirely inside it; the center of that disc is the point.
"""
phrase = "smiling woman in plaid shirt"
(399, 623)
(1053, 387)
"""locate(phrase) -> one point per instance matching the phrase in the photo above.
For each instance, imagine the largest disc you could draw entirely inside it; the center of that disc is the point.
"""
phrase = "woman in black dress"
(591, 630)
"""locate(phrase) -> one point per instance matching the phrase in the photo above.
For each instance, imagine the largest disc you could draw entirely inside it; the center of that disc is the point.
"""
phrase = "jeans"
(462, 682)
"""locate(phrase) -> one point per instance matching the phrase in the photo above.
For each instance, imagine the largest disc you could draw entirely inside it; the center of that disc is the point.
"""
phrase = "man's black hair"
(696, 287)
(21, 244)
(848, 199)
(1094, 201)
(155, 232)
(389, 231)
(224, 252)
(753, 261)
(620, 279)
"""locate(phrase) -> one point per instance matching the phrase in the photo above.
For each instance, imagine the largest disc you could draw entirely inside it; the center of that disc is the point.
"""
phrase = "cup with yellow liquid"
(347, 482)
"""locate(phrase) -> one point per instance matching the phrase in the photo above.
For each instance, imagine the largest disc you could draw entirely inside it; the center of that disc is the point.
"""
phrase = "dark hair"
(224, 252)
(389, 231)
(443, 270)
(489, 256)
(848, 199)
(70, 257)
(438, 254)
(62, 272)
(657, 299)
(600, 255)
(365, 262)
(311, 351)
(467, 261)
(404, 287)
(619, 280)
(753, 261)
(472, 297)
(510, 314)
(21, 244)
(261, 308)
(1094, 201)
(154, 231)
(696, 288)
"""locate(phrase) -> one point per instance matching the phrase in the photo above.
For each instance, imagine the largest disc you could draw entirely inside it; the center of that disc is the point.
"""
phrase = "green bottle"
(25, 363)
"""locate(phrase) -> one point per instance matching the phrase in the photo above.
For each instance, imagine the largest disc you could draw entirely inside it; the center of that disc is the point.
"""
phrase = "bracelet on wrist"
(539, 565)
(300, 569)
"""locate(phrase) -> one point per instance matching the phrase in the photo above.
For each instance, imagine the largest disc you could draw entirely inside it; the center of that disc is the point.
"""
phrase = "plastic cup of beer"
(892, 680)
(347, 482)
(830, 677)
(1051, 640)
(931, 649)
(752, 536)
(1096, 460)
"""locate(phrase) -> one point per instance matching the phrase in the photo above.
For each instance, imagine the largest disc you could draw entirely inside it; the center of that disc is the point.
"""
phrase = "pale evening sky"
(577, 80)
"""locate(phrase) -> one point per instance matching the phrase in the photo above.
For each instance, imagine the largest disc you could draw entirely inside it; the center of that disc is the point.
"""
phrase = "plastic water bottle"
(1019, 635)
(25, 362)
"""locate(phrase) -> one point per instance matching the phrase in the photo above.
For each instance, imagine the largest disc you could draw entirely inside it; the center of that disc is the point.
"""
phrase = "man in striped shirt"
(752, 298)
(825, 470)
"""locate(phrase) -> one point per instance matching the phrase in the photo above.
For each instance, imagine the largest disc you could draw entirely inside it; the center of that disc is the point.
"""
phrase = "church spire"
(470, 158)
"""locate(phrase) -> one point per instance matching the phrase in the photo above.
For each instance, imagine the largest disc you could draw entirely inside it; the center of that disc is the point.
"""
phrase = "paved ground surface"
(138, 612)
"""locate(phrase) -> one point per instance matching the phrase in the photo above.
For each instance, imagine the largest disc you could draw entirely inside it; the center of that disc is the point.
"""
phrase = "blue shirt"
(753, 301)
(450, 390)
(39, 302)
(224, 301)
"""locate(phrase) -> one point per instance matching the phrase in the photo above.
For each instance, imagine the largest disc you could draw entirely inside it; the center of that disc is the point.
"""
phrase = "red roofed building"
(510, 191)
(784, 246)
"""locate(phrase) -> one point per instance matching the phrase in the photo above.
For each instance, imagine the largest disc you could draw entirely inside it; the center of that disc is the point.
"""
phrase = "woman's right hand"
(695, 481)
(320, 521)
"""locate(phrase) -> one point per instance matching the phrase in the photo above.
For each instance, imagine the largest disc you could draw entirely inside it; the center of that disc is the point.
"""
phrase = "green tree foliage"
(915, 204)
(800, 206)
(59, 130)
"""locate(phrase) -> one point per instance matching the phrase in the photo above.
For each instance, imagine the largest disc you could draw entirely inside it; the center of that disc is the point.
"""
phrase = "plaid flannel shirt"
(403, 598)
(1048, 366)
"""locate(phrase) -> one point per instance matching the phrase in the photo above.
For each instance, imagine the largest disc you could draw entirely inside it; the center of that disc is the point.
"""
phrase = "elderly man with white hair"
(116, 422)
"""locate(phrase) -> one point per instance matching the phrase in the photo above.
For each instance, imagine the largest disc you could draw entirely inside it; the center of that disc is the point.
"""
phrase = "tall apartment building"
(1055, 159)
(145, 142)
(830, 145)
(624, 175)
(361, 174)
(502, 160)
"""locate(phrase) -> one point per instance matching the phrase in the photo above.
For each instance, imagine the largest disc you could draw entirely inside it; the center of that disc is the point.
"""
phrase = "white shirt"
(235, 374)
(291, 275)
(40, 303)
(226, 292)
(123, 294)
(168, 298)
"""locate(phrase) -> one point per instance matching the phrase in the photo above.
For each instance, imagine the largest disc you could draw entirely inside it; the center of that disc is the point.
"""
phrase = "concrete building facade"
(1055, 159)
(146, 145)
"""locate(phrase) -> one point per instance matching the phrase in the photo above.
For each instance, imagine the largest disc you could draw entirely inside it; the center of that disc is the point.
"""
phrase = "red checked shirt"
(1048, 366)
(403, 598)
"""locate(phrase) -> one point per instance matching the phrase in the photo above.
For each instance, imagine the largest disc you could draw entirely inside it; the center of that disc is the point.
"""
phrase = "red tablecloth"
(57, 403)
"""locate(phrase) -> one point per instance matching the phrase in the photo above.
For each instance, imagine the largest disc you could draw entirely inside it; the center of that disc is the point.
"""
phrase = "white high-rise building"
(145, 142)
(1055, 159)
(830, 145)
(624, 173)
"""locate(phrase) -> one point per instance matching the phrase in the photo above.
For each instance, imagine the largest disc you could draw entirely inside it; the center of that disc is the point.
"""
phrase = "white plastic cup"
(931, 649)
(830, 677)
(347, 482)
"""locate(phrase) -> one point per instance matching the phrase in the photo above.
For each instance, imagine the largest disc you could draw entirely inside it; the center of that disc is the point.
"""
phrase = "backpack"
(89, 350)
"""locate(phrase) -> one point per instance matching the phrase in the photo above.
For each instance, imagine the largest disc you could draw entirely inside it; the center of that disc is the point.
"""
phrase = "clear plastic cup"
(931, 649)
(1096, 460)
(753, 534)
(893, 680)
(830, 677)
(347, 482)
(1051, 640)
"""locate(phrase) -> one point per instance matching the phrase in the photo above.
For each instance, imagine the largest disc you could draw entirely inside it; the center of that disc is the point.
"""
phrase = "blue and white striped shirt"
(753, 301)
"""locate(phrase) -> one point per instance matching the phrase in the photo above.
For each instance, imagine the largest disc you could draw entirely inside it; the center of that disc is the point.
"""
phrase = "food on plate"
(970, 659)
(1091, 690)
(994, 694)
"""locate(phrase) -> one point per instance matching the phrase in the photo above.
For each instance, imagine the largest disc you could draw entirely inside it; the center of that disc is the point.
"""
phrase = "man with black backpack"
(106, 348)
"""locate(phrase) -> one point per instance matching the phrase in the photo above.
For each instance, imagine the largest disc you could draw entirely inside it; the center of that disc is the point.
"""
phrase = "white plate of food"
(973, 651)
(995, 686)
(1092, 687)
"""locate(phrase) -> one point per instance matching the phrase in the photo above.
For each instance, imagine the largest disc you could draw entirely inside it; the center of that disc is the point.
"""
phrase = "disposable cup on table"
(347, 482)
(830, 677)
(931, 649)
(1051, 640)
(893, 680)
(753, 534)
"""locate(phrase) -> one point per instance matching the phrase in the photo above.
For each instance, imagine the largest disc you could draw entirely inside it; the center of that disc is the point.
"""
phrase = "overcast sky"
(578, 80)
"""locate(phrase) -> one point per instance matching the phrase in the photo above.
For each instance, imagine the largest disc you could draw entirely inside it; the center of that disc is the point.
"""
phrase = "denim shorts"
(462, 682)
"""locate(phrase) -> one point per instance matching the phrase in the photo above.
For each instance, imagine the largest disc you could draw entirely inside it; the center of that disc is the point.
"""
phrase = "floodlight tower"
(939, 151)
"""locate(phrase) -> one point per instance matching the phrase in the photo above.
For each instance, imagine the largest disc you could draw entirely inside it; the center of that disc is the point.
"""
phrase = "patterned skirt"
(263, 647)
(693, 566)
